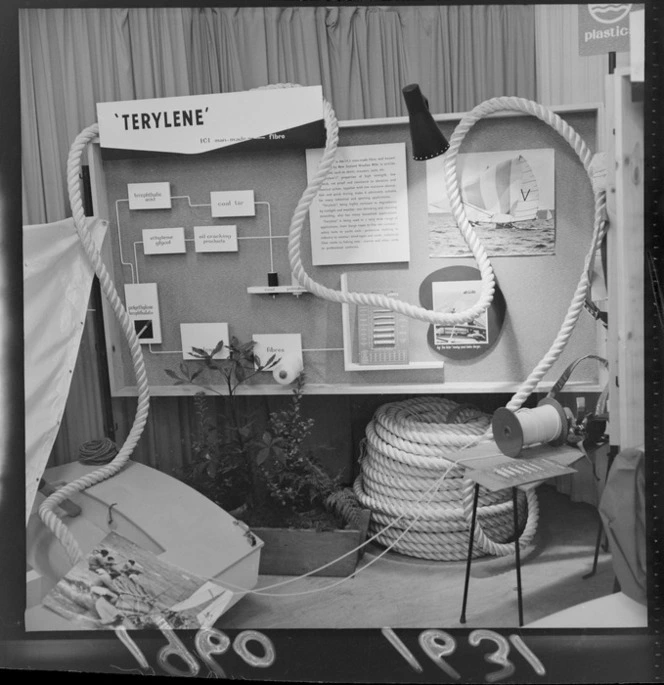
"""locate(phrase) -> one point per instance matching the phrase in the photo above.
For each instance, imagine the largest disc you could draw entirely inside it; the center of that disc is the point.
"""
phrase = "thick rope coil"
(407, 450)
(50, 519)
(431, 512)
(427, 544)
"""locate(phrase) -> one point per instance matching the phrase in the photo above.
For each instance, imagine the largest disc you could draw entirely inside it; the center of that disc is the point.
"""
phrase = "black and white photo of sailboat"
(508, 199)
(503, 194)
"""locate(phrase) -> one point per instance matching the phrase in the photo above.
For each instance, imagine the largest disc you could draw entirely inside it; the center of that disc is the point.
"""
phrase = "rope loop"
(295, 235)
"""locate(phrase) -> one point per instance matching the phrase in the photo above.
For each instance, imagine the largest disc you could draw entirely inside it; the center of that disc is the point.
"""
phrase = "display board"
(199, 238)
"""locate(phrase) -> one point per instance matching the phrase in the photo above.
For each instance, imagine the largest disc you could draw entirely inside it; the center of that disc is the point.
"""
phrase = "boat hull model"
(159, 513)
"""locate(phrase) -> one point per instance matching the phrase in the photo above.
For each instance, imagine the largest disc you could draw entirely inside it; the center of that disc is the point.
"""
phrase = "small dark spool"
(272, 279)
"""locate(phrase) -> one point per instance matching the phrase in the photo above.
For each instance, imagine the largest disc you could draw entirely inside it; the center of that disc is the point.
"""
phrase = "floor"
(402, 592)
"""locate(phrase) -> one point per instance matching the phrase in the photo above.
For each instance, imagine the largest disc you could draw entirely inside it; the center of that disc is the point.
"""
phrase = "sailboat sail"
(503, 193)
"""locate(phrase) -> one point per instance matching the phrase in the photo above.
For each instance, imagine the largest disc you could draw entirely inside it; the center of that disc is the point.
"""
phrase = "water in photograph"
(534, 237)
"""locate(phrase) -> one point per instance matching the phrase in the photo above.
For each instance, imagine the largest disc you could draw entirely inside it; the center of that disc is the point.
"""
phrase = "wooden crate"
(291, 551)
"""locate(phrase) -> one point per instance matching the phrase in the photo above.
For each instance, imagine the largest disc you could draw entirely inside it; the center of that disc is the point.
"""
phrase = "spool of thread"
(513, 431)
(288, 369)
(272, 279)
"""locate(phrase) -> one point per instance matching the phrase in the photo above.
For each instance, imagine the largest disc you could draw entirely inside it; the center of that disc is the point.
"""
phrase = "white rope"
(46, 510)
(410, 442)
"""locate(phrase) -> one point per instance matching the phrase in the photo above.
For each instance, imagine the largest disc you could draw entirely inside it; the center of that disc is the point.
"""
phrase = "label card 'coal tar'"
(143, 309)
(233, 203)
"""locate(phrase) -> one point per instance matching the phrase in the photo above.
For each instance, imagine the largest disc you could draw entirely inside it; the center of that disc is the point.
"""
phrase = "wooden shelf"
(362, 389)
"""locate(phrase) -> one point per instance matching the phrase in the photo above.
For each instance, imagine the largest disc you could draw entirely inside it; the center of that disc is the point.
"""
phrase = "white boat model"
(502, 194)
(159, 513)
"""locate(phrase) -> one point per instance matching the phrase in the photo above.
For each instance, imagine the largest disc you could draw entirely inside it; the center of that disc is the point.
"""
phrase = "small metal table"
(499, 472)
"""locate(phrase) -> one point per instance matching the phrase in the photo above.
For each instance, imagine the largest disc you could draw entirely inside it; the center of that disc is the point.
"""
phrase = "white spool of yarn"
(288, 369)
(539, 425)
(514, 430)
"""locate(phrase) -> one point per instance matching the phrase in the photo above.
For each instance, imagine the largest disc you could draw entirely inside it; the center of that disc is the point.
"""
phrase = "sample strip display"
(383, 335)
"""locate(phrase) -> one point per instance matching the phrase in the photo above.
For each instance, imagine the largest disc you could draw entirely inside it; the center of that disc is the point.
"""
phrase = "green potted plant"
(262, 473)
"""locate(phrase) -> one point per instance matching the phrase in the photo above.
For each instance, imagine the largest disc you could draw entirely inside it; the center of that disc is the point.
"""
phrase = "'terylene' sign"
(604, 27)
(260, 119)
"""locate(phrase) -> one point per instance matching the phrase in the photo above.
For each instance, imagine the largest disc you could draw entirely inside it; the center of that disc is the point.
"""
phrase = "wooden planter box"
(292, 552)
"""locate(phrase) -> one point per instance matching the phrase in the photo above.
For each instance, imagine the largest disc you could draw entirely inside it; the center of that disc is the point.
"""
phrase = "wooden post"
(625, 205)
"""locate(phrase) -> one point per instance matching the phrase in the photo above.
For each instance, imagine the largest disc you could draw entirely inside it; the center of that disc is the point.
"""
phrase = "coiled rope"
(405, 452)
(48, 516)
(97, 451)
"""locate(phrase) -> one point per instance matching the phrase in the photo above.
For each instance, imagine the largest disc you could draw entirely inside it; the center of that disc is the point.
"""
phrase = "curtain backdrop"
(361, 56)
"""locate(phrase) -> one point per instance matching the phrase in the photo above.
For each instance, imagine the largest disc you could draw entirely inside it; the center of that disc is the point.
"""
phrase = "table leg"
(613, 451)
(518, 554)
(471, 539)
(598, 542)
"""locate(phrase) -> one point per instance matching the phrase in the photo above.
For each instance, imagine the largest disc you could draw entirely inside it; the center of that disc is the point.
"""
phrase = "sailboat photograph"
(456, 296)
(508, 198)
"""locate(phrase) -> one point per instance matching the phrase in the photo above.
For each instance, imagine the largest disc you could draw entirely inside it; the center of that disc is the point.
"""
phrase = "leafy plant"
(268, 470)
(224, 467)
(295, 479)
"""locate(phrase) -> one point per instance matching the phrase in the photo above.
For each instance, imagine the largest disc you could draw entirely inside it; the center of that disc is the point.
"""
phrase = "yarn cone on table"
(416, 511)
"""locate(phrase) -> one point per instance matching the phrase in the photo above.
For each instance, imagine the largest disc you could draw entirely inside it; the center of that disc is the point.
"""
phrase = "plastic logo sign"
(604, 27)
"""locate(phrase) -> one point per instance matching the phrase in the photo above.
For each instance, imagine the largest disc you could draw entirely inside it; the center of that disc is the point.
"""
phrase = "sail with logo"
(502, 194)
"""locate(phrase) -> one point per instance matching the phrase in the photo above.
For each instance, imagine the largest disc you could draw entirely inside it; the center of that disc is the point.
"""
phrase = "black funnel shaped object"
(426, 137)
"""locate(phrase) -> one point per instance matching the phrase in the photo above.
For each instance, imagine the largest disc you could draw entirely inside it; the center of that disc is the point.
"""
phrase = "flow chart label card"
(163, 241)
(215, 238)
(204, 336)
(232, 203)
(286, 346)
(143, 309)
(149, 195)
